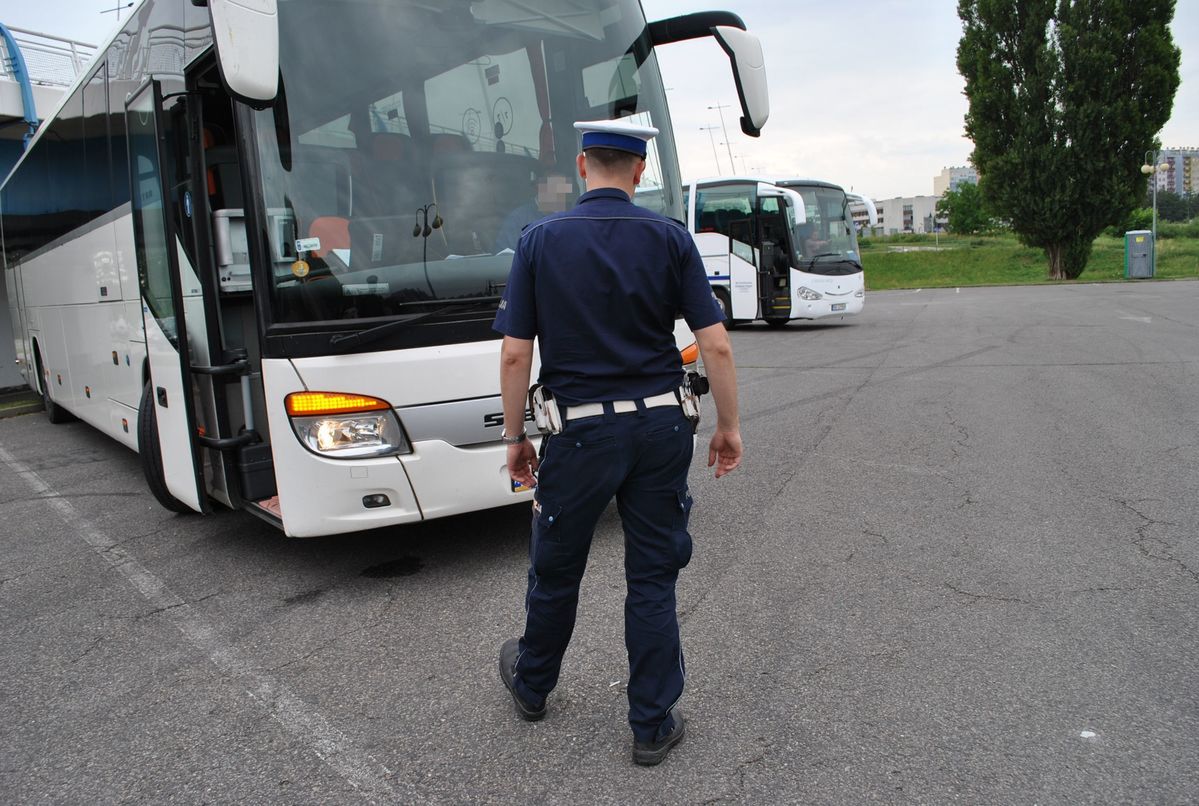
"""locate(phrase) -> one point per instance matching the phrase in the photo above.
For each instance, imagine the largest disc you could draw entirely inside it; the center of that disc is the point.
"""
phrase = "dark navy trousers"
(641, 459)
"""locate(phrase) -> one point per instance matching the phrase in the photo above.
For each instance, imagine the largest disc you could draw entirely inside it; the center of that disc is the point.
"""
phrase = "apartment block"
(951, 178)
(1182, 170)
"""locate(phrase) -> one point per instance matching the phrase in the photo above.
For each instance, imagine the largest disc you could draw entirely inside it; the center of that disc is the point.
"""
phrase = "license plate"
(838, 306)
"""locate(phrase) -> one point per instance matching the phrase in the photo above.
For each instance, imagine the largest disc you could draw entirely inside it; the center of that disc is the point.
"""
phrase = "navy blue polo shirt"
(600, 286)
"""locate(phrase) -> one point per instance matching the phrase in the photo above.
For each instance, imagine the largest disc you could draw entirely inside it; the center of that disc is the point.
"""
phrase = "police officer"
(600, 286)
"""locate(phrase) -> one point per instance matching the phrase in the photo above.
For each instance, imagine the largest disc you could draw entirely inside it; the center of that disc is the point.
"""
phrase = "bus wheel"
(726, 308)
(151, 454)
(54, 412)
(777, 322)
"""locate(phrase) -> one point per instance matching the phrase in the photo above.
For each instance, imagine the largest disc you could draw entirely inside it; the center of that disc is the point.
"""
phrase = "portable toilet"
(1138, 254)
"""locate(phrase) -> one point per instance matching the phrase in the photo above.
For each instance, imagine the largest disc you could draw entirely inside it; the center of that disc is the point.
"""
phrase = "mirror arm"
(691, 26)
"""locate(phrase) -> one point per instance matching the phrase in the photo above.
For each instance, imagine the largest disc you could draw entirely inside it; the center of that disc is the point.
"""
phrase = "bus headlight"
(859, 293)
(809, 294)
(342, 426)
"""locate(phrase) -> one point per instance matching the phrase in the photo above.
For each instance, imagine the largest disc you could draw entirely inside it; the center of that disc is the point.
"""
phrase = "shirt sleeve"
(517, 315)
(698, 304)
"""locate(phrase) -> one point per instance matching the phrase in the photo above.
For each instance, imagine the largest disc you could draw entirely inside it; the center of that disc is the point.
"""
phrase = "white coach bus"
(258, 240)
(777, 250)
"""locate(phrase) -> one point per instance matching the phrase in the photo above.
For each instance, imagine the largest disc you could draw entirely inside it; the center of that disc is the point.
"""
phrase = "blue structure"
(21, 73)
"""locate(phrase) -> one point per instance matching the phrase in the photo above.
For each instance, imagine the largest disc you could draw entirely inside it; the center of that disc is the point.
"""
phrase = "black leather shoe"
(647, 754)
(508, 654)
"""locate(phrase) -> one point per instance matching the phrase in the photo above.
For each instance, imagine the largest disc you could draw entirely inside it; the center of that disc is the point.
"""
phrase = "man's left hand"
(522, 463)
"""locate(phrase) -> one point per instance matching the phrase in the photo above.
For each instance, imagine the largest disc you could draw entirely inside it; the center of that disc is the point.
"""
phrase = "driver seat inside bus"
(475, 191)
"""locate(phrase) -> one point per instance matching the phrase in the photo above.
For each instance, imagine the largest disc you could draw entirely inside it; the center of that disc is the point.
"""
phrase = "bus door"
(774, 239)
(165, 295)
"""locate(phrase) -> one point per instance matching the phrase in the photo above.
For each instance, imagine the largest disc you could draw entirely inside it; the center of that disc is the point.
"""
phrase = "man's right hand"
(724, 451)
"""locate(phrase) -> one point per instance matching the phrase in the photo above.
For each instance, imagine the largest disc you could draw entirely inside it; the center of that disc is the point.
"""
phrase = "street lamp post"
(117, 9)
(712, 140)
(1152, 168)
(720, 110)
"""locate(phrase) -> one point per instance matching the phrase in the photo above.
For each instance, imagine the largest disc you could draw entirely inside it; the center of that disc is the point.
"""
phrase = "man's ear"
(581, 162)
(640, 169)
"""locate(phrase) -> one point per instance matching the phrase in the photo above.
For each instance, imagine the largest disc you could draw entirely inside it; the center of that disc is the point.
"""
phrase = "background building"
(950, 178)
(906, 214)
(1182, 174)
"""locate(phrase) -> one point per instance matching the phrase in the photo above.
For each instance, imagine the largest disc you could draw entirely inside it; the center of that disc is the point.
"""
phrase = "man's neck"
(606, 183)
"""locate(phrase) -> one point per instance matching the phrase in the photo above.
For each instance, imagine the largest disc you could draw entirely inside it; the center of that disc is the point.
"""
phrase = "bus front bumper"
(827, 307)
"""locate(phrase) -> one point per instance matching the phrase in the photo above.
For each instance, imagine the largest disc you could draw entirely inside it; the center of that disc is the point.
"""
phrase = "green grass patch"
(1003, 260)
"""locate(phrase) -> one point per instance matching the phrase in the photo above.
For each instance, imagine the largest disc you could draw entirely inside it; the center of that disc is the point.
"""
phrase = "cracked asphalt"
(960, 564)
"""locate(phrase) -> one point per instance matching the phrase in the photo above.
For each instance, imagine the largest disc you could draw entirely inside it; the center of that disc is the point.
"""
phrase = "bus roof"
(819, 183)
(767, 180)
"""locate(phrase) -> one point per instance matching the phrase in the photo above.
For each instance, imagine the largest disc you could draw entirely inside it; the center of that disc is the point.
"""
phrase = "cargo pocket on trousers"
(679, 535)
(548, 555)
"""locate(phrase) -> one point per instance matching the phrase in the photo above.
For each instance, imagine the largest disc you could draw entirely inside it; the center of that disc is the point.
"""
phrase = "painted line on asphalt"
(298, 718)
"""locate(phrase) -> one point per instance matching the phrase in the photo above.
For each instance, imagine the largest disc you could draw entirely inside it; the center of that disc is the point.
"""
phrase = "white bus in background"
(777, 250)
(258, 242)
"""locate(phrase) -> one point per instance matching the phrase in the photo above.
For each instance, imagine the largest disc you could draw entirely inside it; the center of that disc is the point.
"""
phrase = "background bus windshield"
(826, 242)
(409, 146)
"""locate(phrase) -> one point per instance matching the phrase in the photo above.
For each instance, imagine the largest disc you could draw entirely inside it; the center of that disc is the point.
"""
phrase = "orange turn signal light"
(690, 353)
(303, 404)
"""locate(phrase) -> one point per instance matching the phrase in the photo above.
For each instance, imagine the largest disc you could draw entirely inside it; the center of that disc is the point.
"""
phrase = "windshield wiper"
(812, 262)
(344, 341)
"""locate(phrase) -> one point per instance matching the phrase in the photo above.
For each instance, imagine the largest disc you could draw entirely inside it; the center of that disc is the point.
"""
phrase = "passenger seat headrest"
(390, 146)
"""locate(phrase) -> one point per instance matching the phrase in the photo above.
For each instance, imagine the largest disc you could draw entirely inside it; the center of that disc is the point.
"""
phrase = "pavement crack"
(95, 643)
(987, 597)
(131, 538)
(879, 535)
(743, 767)
(368, 626)
(1144, 542)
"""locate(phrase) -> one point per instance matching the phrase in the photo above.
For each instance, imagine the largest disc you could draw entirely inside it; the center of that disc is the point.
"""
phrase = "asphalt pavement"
(959, 564)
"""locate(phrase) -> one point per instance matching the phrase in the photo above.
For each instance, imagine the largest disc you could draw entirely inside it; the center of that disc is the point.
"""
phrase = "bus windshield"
(825, 243)
(412, 141)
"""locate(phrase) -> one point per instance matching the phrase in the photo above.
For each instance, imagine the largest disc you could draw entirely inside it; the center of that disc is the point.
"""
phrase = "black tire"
(776, 323)
(726, 308)
(151, 453)
(54, 412)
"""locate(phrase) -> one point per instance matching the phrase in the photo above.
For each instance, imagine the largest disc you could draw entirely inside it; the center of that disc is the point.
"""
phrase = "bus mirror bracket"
(801, 213)
(246, 36)
(749, 71)
(744, 51)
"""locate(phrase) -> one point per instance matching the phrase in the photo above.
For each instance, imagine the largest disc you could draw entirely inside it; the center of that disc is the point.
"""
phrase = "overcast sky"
(866, 95)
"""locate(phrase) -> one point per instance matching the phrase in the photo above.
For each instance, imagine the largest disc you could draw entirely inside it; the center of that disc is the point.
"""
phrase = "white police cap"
(621, 135)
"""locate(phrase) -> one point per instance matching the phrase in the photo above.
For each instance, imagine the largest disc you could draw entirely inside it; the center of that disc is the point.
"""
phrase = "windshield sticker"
(308, 245)
(365, 289)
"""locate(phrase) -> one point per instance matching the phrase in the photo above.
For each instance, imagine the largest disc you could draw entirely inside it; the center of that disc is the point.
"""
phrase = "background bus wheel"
(777, 322)
(151, 454)
(54, 412)
(726, 308)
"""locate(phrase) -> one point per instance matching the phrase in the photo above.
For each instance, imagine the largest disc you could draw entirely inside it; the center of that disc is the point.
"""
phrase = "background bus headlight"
(347, 427)
(809, 294)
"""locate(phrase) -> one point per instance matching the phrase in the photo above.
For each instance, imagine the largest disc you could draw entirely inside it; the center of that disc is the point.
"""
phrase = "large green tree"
(1066, 96)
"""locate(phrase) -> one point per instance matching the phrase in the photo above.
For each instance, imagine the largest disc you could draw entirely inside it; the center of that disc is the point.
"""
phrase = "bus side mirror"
(744, 50)
(749, 71)
(246, 36)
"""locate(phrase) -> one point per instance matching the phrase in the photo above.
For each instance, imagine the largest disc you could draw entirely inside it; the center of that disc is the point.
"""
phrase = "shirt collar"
(604, 193)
